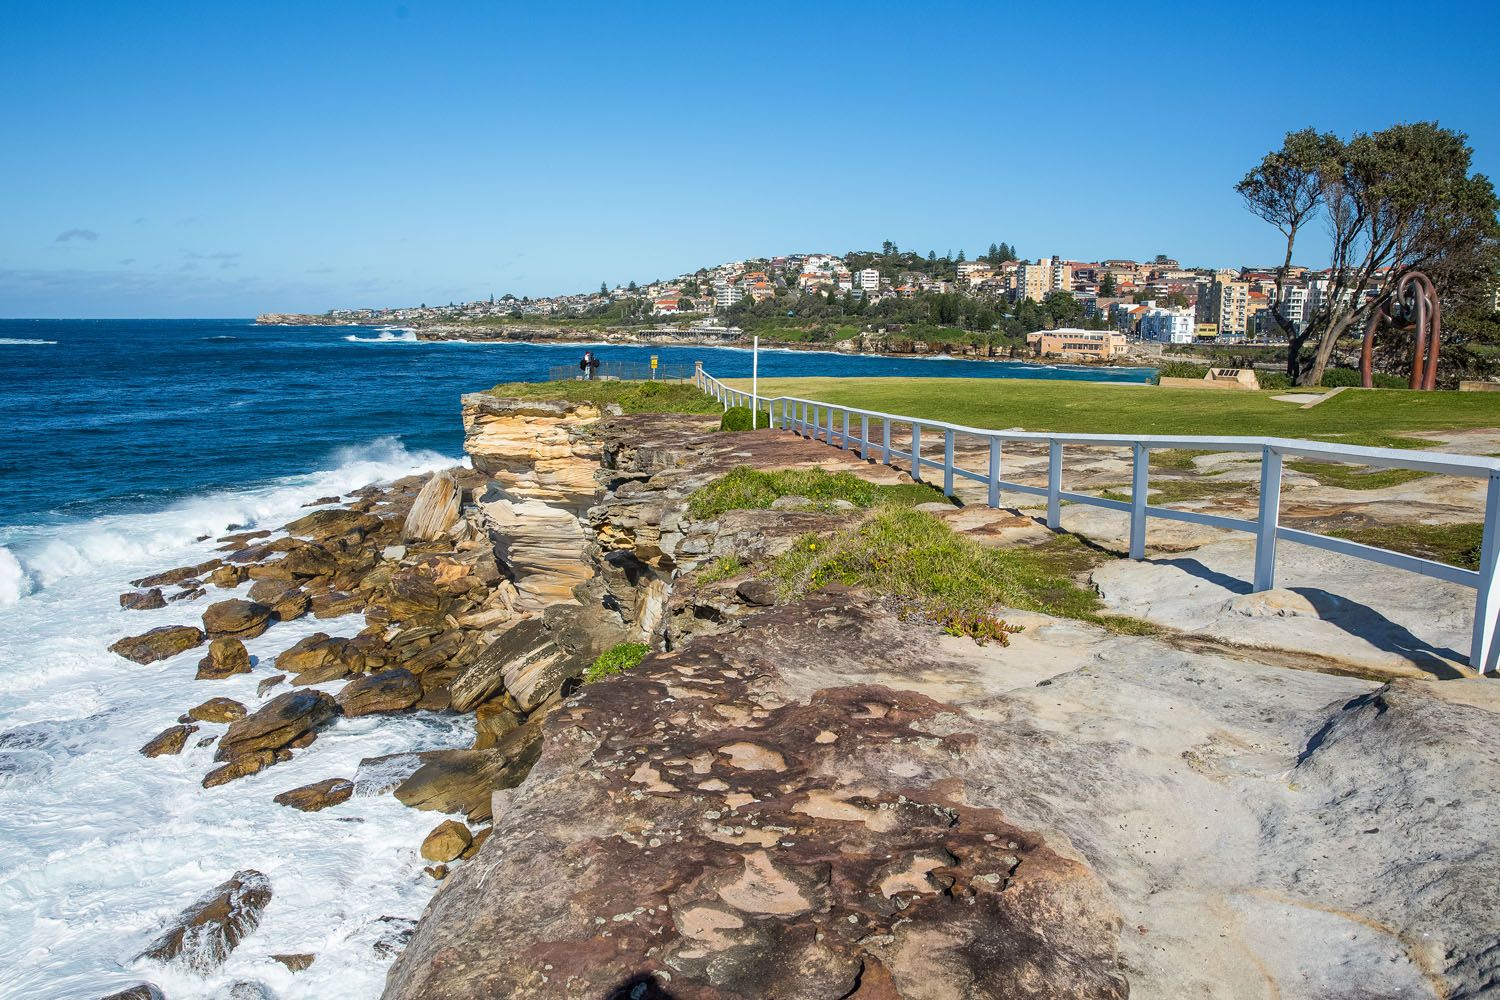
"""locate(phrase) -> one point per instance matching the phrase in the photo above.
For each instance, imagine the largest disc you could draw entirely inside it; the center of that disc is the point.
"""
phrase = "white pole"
(754, 381)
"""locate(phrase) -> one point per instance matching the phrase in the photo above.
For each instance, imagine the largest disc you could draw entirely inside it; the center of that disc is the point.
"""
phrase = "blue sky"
(222, 159)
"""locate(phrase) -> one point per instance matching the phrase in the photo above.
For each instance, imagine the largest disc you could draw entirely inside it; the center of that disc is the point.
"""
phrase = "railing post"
(994, 497)
(845, 441)
(1054, 484)
(916, 452)
(864, 436)
(1482, 653)
(885, 440)
(829, 432)
(1139, 491)
(1270, 515)
(948, 463)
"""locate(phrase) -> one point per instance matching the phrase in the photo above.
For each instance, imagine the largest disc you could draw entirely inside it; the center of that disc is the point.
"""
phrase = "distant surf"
(385, 337)
(17, 341)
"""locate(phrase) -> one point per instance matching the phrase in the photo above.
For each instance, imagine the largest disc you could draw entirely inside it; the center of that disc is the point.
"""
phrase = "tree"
(632, 288)
(888, 249)
(960, 256)
(994, 255)
(1107, 286)
(1394, 201)
(1161, 258)
(1062, 307)
(603, 288)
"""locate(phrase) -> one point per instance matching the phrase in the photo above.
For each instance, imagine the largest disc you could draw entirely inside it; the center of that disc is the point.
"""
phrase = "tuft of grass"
(915, 558)
(721, 568)
(737, 418)
(1180, 459)
(616, 660)
(1355, 477)
(632, 397)
(1454, 544)
(753, 489)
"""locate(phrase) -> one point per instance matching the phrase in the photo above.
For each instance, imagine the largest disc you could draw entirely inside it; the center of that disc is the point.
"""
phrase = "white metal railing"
(832, 423)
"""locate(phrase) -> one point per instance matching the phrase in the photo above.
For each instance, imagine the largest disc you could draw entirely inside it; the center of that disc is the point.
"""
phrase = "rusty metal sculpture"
(1415, 303)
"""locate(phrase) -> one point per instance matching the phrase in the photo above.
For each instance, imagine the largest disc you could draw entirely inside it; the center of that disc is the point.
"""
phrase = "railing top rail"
(1424, 461)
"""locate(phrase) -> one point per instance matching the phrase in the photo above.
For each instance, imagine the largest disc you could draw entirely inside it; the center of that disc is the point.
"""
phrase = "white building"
(727, 294)
(1168, 326)
(868, 279)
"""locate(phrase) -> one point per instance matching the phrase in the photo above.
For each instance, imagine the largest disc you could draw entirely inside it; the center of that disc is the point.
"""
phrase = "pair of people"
(589, 365)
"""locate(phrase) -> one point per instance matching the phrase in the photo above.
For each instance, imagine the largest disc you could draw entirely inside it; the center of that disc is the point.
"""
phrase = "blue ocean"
(129, 446)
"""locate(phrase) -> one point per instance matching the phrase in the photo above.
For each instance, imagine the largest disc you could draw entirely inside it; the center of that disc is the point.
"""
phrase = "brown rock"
(188, 594)
(177, 575)
(438, 872)
(242, 766)
(757, 593)
(158, 644)
(277, 723)
(268, 684)
(142, 991)
(143, 600)
(228, 577)
(319, 654)
(319, 795)
(447, 841)
(434, 511)
(387, 691)
(202, 937)
(335, 604)
(226, 657)
(321, 524)
(217, 710)
(493, 720)
(236, 618)
(454, 781)
(169, 741)
(295, 962)
(309, 560)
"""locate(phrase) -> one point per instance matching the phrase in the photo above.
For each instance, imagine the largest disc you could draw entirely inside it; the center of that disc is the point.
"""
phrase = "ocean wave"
(392, 336)
(224, 337)
(34, 559)
(18, 341)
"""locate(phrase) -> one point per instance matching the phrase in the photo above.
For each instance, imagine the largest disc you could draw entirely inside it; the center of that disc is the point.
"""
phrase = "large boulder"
(169, 741)
(226, 657)
(143, 600)
(202, 937)
(217, 710)
(177, 575)
(322, 524)
(159, 643)
(277, 723)
(447, 841)
(524, 661)
(434, 511)
(309, 560)
(237, 619)
(388, 691)
(318, 795)
(454, 781)
(141, 991)
(315, 658)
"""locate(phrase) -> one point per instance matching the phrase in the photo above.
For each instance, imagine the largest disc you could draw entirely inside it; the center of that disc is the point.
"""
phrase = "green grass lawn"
(632, 397)
(1375, 417)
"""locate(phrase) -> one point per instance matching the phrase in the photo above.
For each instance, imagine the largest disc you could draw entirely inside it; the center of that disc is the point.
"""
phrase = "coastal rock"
(295, 962)
(268, 684)
(323, 524)
(159, 643)
(144, 991)
(318, 657)
(143, 600)
(335, 604)
(169, 741)
(525, 661)
(434, 511)
(188, 594)
(237, 619)
(226, 657)
(447, 841)
(206, 932)
(217, 710)
(177, 575)
(757, 593)
(227, 577)
(319, 795)
(277, 723)
(454, 781)
(492, 721)
(243, 765)
(309, 560)
(388, 691)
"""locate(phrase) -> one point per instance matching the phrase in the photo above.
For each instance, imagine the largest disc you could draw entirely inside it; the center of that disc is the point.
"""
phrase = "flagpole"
(754, 382)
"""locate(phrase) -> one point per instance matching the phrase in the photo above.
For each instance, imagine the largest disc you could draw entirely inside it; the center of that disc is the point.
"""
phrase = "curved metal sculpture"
(1419, 306)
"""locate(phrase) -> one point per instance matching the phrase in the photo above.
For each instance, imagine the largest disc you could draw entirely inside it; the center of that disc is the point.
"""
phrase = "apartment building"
(1227, 305)
(727, 294)
(867, 279)
(1037, 281)
(1167, 326)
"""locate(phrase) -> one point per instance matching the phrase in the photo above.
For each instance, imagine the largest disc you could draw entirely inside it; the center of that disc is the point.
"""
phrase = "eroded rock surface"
(206, 932)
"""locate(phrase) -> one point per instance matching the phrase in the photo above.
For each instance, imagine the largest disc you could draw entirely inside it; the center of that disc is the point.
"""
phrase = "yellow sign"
(653, 362)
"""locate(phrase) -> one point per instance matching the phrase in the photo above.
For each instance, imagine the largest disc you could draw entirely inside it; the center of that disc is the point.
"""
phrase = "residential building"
(727, 294)
(1167, 326)
(1228, 305)
(867, 279)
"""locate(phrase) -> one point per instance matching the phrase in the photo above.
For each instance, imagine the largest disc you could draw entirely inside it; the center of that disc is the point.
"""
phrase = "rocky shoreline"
(816, 798)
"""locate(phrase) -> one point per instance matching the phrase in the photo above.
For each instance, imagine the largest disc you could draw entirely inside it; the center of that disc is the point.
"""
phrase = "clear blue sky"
(221, 159)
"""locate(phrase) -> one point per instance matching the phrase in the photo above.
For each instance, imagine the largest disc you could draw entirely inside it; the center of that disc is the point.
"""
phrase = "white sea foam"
(103, 845)
(386, 336)
(16, 341)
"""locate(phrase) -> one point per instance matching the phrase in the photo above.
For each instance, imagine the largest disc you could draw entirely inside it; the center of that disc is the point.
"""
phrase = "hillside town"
(1093, 308)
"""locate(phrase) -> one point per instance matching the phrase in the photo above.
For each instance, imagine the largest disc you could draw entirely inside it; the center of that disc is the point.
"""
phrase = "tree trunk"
(1294, 355)
(1313, 376)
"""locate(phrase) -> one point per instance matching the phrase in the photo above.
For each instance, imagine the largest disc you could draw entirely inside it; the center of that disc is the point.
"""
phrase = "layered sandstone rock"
(159, 643)
(206, 932)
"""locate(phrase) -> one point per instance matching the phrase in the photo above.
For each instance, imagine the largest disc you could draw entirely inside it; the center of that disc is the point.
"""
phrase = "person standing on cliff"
(587, 365)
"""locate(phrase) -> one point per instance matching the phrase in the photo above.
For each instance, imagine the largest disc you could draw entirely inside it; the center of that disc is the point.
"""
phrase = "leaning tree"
(1394, 202)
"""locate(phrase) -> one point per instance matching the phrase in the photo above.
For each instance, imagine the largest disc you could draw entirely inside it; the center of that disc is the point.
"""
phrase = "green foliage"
(1273, 380)
(737, 418)
(1181, 369)
(982, 628)
(1454, 544)
(721, 568)
(1333, 378)
(632, 397)
(752, 489)
(1180, 459)
(917, 560)
(616, 660)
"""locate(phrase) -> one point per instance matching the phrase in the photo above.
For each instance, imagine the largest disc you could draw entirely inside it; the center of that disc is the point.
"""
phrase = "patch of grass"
(752, 489)
(632, 397)
(1180, 459)
(616, 660)
(1355, 477)
(919, 561)
(721, 568)
(737, 418)
(1197, 488)
(1367, 417)
(1454, 544)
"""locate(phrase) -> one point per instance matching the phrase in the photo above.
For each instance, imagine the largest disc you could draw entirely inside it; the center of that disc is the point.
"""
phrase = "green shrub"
(752, 489)
(1180, 369)
(1334, 378)
(616, 660)
(737, 418)
(1273, 380)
